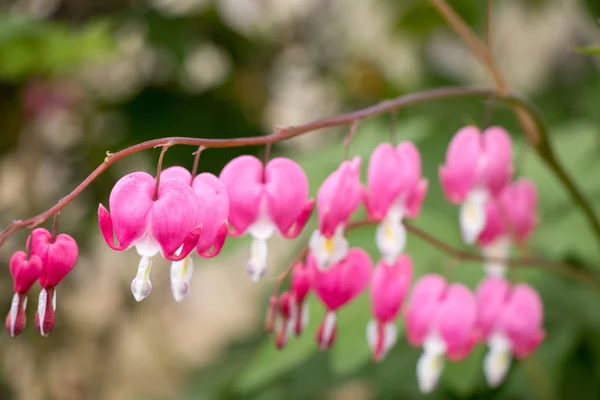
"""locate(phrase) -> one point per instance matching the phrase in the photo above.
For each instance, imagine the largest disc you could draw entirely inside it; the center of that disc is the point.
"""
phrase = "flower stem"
(159, 169)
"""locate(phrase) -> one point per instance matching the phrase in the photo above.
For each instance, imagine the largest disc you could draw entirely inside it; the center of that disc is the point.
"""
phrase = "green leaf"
(462, 377)
(592, 51)
(268, 363)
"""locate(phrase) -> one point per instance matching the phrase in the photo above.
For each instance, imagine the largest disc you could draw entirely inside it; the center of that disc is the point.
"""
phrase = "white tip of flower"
(304, 315)
(497, 361)
(54, 300)
(499, 251)
(141, 285)
(257, 265)
(328, 327)
(431, 363)
(14, 311)
(390, 337)
(472, 215)
(328, 251)
(181, 276)
(41, 310)
(390, 235)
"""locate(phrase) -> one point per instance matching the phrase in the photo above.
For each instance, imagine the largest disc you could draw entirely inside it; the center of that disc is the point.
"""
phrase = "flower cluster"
(48, 260)
(177, 212)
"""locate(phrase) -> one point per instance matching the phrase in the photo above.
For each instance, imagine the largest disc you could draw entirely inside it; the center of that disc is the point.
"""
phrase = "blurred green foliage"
(568, 362)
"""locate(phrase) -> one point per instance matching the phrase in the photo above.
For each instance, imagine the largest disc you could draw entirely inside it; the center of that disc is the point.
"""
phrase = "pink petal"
(389, 285)
(343, 281)
(302, 281)
(213, 210)
(301, 221)
(422, 307)
(497, 170)
(456, 321)
(24, 271)
(522, 318)
(130, 204)
(339, 196)
(384, 180)
(217, 244)
(494, 224)
(174, 215)
(459, 175)
(58, 257)
(242, 178)
(520, 204)
(287, 192)
(491, 297)
(416, 198)
(177, 172)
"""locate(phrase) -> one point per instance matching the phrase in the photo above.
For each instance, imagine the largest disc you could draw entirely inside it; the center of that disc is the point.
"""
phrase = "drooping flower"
(478, 166)
(285, 319)
(389, 285)
(212, 216)
(341, 283)
(302, 281)
(510, 218)
(25, 271)
(510, 319)
(58, 256)
(441, 319)
(338, 197)
(263, 199)
(395, 191)
(165, 223)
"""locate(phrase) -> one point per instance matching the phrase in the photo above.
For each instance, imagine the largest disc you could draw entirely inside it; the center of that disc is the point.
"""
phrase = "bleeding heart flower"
(337, 286)
(212, 216)
(58, 256)
(165, 223)
(478, 166)
(441, 319)
(263, 199)
(338, 197)
(284, 324)
(395, 191)
(25, 271)
(511, 217)
(510, 320)
(389, 285)
(302, 281)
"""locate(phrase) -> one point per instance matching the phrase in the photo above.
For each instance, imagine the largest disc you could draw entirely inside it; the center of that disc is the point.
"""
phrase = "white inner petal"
(497, 360)
(305, 315)
(431, 363)
(498, 250)
(181, 276)
(54, 300)
(328, 327)
(141, 285)
(472, 215)
(390, 235)
(257, 265)
(329, 251)
(14, 311)
(146, 246)
(42, 309)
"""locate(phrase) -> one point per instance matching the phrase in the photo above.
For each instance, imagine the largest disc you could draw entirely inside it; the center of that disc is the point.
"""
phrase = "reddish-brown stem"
(159, 168)
(393, 123)
(55, 226)
(348, 138)
(464, 255)
(287, 133)
(196, 161)
(266, 154)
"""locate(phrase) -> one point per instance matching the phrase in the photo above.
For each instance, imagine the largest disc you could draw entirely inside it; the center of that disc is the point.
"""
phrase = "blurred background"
(79, 78)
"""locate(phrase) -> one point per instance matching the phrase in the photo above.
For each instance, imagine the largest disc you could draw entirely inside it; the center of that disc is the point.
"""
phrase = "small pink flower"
(302, 281)
(389, 285)
(338, 197)
(212, 216)
(510, 217)
(25, 271)
(395, 191)
(58, 256)
(441, 318)
(337, 286)
(285, 321)
(511, 322)
(165, 224)
(263, 199)
(478, 166)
